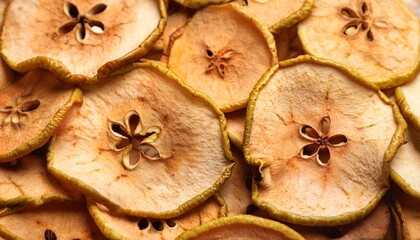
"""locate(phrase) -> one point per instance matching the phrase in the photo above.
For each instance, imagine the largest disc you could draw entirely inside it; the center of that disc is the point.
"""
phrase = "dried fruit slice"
(220, 45)
(376, 226)
(27, 182)
(126, 227)
(408, 212)
(62, 220)
(405, 166)
(6, 73)
(235, 126)
(30, 110)
(154, 140)
(241, 227)
(314, 128)
(409, 102)
(81, 42)
(278, 14)
(380, 40)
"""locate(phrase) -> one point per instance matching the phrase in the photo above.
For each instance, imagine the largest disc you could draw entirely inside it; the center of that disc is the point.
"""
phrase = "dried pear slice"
(407, 97)
(6, 73)
(235, 192)
(79, 41)
(27, 182)
(405, 166)
(315, 129)
(155, 139)
(408, 212)
(241, 227)
(278, 14)
(59, 220)
(380, 40)
(376, 226)
(235, 126)
(227, 51)
(126, 227)
(30, 110)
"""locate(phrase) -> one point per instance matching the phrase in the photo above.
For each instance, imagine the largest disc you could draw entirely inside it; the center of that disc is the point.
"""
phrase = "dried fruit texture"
(278, 14)
(314, 129)
(408, 212)
(60, 220)
(27, 182)
(170, 143)
(235, 126)
(405, 166)
(126, 227)
(6, 73)
(407, 97)
(241, 227)
(220, 45)
(377, 39)
(80, 41)
(374, 227)
(234, 191)
(200, 3)
(30, 110)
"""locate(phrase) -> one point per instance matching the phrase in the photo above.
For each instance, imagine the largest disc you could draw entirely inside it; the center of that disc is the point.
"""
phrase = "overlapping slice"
(223, 52)
(380, 40)
(144, 144)
(77, 40)
(235, 126)
(409, 102)
(27, 182)
(241, 227)
(58, 220)
(322, 151)
(126, 227)
(30, 110)
(278, 14)
(408, 214)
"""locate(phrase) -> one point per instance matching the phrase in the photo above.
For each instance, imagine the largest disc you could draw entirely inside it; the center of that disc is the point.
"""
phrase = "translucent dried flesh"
(125, 227)
(32, 29)
(241, 227)
(353, 180)
(65, 220)
(236, 125)
(30, 111)
(27, 182)
(278, 13)
(405, 166)
(378, 39)
(375, 226)
(217, 43)
(409, 102)
(191, 145)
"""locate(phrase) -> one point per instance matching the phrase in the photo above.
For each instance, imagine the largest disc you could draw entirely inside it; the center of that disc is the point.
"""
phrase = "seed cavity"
(84, 20)
(219, 61)
(143, 223)
(320, 142)
(361, 21)
(170, 223)
(15, 114)
(49, 235)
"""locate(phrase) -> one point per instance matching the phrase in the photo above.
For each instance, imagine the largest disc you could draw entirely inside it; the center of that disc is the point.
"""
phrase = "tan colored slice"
(315, 129)
(407, 97)
(235, 126)
(278, 14)
(376, 226)
(235, 192)
(405, 167)
(30, 111)
(227, 51)
(64, 220)
(241, 227)
(158, 149)
(408, 212)
(126, 227)
(28, 182)
(6, 73)
(380, 40)
(40, 33)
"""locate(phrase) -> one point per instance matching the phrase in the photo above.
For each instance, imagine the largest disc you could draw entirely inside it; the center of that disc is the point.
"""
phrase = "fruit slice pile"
(203, 119)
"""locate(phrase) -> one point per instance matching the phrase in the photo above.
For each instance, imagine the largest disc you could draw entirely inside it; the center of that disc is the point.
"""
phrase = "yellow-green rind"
(396, 141)
(294, 18)
(183, 207)
(235, 141)
(404, 185)
(242, 219)
(62, 72)
(411, 118)
(35, 202)
(196, 4)
(76, 98)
